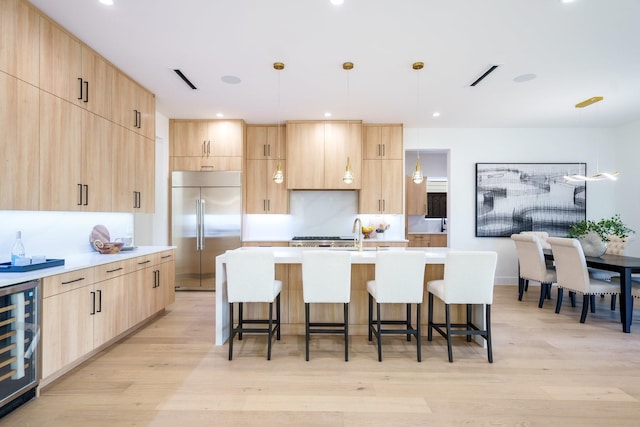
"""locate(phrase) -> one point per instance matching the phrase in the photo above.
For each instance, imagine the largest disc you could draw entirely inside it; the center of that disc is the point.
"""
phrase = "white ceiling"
(576, 50)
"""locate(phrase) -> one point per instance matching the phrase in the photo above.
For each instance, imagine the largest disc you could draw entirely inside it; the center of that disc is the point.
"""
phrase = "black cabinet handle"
(80, 80)
(114, 270)
(93, 303)
(99, 302)
(166, 256)
(139, 119)
(79, 194)
(144, 262)
(86, 195)
(135, 118)
(86, 91)
(72, 281)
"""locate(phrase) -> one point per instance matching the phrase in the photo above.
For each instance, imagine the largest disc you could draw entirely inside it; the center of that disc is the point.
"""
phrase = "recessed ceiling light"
(107, 2)
(232, 80)
(327, 114)
(219, 115)
(436, 114)
(524, 78)
(337, 2)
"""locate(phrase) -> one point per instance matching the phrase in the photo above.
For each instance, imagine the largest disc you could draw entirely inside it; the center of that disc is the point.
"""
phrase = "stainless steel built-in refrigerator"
(206, 217)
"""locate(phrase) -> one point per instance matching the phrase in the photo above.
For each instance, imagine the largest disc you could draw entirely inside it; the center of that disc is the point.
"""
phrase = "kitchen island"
(289, 271)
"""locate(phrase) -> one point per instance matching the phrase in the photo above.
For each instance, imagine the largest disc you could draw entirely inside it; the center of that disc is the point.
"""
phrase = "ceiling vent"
(185, 79)
(490, 70)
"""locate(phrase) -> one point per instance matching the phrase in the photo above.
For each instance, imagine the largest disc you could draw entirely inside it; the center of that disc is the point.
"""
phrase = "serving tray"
(6, 267)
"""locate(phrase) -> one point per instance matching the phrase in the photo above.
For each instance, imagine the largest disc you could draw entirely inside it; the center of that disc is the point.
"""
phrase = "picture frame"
(516, 197)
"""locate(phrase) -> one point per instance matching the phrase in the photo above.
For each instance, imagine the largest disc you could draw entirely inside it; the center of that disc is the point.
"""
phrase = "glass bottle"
(17, 251)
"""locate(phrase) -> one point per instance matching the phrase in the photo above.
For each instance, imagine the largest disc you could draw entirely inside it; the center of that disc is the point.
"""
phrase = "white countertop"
(77, 262)
(288, 255)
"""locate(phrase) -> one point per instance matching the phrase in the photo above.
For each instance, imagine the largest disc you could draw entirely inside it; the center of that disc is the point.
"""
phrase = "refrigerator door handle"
(197, 224)
(202, 216)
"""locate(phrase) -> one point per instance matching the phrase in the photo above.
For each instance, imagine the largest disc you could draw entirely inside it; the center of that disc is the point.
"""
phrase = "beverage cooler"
(19, 337)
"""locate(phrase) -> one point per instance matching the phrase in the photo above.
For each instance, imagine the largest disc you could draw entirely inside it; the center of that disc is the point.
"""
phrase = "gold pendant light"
(278, 175)
(347, 178)
(417, 176)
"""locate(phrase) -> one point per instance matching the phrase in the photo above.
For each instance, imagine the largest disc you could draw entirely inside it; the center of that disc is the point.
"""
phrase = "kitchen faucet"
(357, 228)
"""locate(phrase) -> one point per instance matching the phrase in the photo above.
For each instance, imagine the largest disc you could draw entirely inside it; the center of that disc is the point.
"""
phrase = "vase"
(592, 244)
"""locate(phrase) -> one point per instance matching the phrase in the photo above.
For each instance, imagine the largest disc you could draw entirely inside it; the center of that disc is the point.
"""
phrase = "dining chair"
(251, 279)
(532, 265)
(326, 278)
(468, 279)
(615, 246)
(399, 279)
(571, 268)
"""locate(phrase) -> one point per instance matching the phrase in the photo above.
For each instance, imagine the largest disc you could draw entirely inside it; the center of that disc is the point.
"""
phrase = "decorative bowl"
(107, 247)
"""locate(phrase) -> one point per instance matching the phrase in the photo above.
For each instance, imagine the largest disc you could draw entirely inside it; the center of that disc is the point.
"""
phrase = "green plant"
(605, 227)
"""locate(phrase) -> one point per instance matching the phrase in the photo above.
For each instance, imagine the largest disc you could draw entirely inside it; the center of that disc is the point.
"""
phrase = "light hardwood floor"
(548, 370)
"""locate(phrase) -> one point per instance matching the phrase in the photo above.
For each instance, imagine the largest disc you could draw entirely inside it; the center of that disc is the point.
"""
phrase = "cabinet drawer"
(165, 256)
(141, 262)
(67, 281)
(111, 270)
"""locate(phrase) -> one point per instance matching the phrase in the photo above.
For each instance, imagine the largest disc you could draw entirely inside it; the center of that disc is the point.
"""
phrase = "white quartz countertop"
(288, 255)
(77, 262)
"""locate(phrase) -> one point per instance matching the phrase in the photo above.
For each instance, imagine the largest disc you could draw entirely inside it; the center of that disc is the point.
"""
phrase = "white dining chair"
(468, 279)
(326, 279)
(532, 265)
(251, 278)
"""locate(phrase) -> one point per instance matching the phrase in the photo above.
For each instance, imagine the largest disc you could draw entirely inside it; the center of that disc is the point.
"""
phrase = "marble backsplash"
(420, 224)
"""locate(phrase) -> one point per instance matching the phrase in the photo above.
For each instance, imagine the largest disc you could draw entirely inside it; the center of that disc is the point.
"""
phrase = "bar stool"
(468, 279)
(399, 278)
(251, 278)
(326, 278)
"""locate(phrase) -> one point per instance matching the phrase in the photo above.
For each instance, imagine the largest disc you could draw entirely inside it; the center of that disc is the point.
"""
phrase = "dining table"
(625, 266)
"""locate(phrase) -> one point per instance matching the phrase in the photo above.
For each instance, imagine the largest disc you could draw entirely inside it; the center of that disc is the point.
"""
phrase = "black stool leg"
(346, 332)
(306, 329)
(408, 322)
(370, 316)
(418, 333)
(585, 308)
(448, 320)
(270, 334)
(489, 347)
(430, 317)
(240, 314)
(231, 331)
(559, 302)
(379, 335)
(278, 317)
(469, 321)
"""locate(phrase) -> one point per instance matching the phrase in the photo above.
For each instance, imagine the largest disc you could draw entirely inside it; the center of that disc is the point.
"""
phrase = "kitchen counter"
(288, 269)
(77, 262)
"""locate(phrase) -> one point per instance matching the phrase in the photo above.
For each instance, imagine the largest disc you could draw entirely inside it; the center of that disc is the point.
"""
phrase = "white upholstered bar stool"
(326, 278)
(251, 278)
(573, 275)
(468, 279)
(532, 265)
(399, 278)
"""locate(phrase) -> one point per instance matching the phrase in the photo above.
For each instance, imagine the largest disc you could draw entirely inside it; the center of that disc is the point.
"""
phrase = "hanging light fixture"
(417, 176)
(598, 176)
(278, 175)
(347, 178)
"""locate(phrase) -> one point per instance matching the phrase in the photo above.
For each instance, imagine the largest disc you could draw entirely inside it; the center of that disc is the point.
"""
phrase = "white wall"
(470, 146)
(627, 192)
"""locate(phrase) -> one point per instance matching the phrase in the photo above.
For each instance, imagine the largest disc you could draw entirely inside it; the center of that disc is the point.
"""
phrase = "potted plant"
(594, 235)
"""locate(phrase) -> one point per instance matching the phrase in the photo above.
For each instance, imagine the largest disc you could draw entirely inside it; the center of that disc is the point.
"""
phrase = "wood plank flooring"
(548, 370)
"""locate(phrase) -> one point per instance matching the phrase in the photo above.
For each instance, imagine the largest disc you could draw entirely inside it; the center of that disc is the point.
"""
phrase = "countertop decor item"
(100, 240)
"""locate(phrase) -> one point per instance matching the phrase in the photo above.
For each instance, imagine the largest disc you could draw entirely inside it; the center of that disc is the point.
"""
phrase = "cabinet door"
(391, 186)
(305, 156)
(166, 288)
(123, 170)
(342, 141)
(97, 159)
(60, 154)
(60, 63)
(416, 197)
(370, 200)
(111, 313)
(189, 138)
(265, 142)
(67, 328)
(225, 138)
(145, 174)
(98, 77)
(206, 163)
(382, 142)
(19, 145)
(257, 198)
(123, 107)
(19, 41)
(372, 143)
(277, 194)
(146, 106)
(140, 293)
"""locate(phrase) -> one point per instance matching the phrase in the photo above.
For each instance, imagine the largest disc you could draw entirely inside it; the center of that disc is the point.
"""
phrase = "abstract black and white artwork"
(515, 197)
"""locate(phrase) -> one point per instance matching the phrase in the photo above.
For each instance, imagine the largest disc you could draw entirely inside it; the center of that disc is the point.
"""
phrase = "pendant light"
(598, 176)
(347, 178)
(278, 175)
(417, 176)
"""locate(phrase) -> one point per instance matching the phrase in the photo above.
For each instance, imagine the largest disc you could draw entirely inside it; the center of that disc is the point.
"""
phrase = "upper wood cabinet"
(133, 106)
(382, 141)
(265, 142)
(416, 197)
(19, 40)
(317, 154)
(19, 144)
(381, 191)
(206, 144)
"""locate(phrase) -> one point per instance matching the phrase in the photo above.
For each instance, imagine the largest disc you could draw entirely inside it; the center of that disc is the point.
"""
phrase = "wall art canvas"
(515, 197)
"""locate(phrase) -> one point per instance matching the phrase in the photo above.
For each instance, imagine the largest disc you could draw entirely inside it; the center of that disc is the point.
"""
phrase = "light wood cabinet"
(98, 79)
(381, 191)
(382, 170)
(416, 197)
(144, 175)
(75, 157)
(427, 240)
(19, 41)
(110, 314)
(133, 182)
(19, 144)
(317, 154)
(133, 106)
(266, 142)
(153, 286)
(207, 144)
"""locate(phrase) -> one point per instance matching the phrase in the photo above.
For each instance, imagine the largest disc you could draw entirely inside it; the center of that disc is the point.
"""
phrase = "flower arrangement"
(604, 228)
